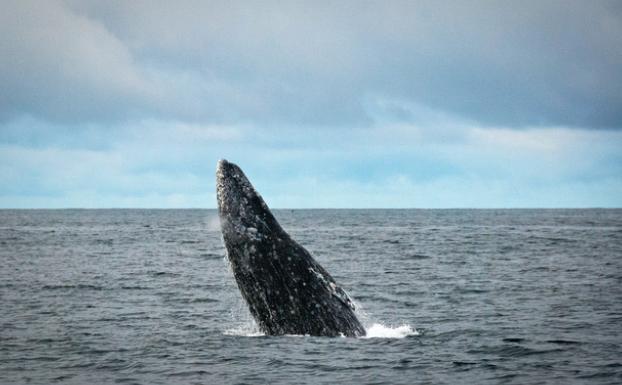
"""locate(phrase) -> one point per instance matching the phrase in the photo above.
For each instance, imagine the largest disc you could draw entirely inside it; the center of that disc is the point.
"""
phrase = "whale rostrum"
(286, 290)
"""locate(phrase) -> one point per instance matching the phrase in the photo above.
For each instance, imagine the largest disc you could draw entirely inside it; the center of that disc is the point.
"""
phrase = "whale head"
(244, 216)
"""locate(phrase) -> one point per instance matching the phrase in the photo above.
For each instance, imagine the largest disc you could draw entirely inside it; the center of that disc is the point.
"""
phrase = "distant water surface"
(452, 296)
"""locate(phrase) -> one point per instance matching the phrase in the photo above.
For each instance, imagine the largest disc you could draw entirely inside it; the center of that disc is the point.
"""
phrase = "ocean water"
(447, 297)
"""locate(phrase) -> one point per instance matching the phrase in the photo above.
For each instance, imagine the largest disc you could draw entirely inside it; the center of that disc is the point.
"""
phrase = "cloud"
(514, 65)
(61, 66)
(324, 104)
(152, 164)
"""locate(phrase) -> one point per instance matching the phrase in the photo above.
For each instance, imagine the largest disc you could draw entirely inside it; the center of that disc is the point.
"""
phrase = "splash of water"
(213, 223)
(381, 331)
(376, 330)
(244, 330)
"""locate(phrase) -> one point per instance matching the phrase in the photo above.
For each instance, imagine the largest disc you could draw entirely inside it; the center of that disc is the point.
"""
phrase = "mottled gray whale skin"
(286, 290)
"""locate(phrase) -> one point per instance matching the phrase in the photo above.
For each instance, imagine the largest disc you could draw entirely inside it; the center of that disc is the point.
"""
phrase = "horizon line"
(322, 208)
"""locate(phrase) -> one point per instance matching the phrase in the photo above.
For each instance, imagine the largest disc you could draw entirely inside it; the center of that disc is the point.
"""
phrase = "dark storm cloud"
(296, 63)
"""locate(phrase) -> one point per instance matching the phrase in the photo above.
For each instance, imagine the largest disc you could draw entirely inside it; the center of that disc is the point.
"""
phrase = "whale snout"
(224, 170)
(222, 164)
(228, 178)
(233, 190)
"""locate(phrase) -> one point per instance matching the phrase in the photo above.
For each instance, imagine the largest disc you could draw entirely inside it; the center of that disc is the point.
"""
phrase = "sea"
(134, 296)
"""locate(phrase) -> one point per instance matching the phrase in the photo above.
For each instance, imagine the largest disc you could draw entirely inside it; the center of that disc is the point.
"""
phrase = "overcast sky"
(323, 104)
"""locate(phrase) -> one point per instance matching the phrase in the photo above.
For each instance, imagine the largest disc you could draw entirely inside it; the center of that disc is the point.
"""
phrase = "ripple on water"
(143, 296)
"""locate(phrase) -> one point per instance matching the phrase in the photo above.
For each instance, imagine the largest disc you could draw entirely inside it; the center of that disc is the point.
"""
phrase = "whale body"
(286, 290)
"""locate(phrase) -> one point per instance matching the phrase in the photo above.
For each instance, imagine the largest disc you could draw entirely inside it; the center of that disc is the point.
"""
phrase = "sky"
(354, 104)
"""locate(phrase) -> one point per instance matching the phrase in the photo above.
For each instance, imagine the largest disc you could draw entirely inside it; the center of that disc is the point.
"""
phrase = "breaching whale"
(286, 290)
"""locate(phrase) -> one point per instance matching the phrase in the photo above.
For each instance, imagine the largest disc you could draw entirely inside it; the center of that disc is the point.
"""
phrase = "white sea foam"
(381, 331)
(247, 330)
(374, 331)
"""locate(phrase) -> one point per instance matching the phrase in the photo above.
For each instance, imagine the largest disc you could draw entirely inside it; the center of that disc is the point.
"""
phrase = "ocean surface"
(447, 297)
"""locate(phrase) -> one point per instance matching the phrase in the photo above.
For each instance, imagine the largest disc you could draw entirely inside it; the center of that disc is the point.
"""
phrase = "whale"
(287, 291)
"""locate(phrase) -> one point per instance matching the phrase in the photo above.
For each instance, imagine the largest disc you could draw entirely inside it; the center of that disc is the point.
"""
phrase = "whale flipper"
(286, 290)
